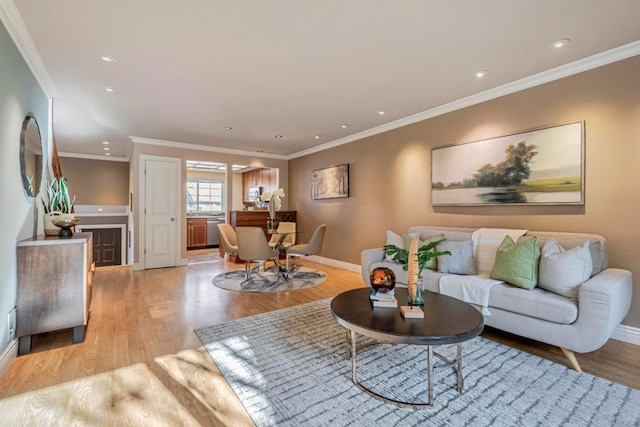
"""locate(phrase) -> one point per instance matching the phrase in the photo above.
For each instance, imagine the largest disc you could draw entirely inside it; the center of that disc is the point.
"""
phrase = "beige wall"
(390, 172)
(96, 182)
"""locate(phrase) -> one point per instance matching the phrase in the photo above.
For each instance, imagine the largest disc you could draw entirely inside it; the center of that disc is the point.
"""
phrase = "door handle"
(172, 219)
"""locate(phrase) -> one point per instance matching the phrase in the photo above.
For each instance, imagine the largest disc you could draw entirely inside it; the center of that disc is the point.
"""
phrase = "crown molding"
(94, 157)
(579, 66)
(187, 146)
(13, 22)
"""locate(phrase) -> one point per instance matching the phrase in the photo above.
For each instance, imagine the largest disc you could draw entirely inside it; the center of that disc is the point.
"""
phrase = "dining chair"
(228, 238)
(312, 248)
(253, 246)
(288, 240)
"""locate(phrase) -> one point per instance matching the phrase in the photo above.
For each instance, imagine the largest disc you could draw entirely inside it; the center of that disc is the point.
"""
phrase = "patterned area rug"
(290, 368)
(269, 281)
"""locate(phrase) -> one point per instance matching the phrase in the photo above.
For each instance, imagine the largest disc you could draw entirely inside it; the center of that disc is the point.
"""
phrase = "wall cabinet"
(54, 286)
(264, 177)
(196, 232)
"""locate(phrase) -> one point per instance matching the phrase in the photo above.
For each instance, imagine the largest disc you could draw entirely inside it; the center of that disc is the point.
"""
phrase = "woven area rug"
(269, 281)
(127, 396)
(290, 368)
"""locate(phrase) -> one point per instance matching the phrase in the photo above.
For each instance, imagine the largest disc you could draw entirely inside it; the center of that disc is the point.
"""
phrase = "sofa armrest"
(368, 257)
(604, 301)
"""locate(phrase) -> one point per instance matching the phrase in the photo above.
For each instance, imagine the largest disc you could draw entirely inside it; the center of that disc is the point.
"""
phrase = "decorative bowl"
(383, 279)
(65, 222)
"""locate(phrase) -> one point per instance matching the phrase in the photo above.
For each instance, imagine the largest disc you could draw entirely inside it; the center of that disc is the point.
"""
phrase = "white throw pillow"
(562, 270)
(397, 240)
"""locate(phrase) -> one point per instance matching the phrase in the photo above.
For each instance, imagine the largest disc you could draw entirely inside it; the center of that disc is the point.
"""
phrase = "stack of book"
(386, 299)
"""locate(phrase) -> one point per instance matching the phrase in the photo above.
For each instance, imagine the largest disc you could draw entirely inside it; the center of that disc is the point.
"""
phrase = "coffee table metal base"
(455, 364)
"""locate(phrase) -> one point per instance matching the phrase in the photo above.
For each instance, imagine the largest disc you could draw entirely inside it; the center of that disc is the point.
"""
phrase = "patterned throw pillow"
(461, 259)
(517, 264)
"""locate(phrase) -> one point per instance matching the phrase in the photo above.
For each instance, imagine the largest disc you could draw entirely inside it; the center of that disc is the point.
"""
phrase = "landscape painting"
(542, 166)
(330, 183)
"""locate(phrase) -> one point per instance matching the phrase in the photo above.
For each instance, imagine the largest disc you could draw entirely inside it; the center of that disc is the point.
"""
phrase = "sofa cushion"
(517, 263)
(563, 270)
(597, 245)
(536, 303)
(450, 234)
(461, 259)
(397, 240)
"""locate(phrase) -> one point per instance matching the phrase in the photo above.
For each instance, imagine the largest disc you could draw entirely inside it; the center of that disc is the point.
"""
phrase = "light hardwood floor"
(139, 316)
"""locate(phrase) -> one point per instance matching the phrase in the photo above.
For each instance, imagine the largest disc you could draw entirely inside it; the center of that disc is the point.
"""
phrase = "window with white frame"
(205, 195)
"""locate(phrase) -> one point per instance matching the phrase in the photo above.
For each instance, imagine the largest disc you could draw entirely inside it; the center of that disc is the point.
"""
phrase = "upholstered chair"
(289, 240)
(312, 248)
(253, 246)
(228, 238)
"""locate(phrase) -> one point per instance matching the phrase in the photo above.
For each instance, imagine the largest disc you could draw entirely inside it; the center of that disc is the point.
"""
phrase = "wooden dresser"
(54, 286)
(259, 218)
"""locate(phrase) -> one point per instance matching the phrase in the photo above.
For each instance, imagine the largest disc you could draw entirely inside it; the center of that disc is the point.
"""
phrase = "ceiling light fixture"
(107, 154)
(279, 136)
(480, 74)
(109, 89)
(559, 44)
(317, 137)
(228, 127)
(107, 149)
(344, 126)
(105, 142)
(381, 113)
(109, 58)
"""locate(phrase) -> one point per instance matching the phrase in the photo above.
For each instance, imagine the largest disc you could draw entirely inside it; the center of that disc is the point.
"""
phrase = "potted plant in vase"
(57, 205)
(425, 252)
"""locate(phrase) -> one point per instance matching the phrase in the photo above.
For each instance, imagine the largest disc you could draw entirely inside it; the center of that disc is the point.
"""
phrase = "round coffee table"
(446, 321)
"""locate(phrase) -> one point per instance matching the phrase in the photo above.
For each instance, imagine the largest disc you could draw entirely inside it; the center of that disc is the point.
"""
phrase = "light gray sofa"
(575, 326)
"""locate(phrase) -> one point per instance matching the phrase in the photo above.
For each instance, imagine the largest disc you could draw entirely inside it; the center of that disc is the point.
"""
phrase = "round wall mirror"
(31, 156)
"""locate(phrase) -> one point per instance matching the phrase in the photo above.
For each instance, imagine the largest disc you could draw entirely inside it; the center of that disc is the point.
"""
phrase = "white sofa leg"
(572, 358)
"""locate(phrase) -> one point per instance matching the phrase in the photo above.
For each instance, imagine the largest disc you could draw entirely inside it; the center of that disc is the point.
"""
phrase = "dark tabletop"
(446, 320)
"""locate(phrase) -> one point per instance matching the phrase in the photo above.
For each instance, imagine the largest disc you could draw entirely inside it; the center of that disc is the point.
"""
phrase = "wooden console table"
(54, 286)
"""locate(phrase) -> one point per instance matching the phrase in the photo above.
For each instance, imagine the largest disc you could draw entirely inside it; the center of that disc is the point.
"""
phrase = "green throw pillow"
(517, 264)
(432, 264)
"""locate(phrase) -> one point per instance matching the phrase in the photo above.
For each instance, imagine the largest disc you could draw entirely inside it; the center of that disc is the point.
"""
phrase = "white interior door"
(161, 212)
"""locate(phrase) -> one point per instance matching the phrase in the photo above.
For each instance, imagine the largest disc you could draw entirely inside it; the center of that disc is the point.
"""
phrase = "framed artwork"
(330, 183)
(538, 167)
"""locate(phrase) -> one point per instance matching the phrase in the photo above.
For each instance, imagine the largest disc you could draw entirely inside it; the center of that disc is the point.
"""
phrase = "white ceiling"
(187, 69)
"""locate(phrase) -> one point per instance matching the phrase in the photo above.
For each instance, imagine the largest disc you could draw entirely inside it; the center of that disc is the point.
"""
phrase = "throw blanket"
(471, 289)
(486, 242)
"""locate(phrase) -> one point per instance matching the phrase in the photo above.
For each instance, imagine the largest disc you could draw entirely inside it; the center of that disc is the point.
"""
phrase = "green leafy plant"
(425, 253)
(58, 199)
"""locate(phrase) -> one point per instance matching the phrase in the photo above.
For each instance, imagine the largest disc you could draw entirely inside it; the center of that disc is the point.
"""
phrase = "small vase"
(273, 224)
(418, 299)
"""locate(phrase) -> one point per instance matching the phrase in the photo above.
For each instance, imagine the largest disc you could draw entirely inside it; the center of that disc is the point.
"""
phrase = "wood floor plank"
(137, 317)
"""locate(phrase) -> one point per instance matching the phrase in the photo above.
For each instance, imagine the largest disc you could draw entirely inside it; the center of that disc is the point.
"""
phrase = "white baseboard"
(7, 356)
(182, 262)
(335, 263)
(623, 333)
(627, 334)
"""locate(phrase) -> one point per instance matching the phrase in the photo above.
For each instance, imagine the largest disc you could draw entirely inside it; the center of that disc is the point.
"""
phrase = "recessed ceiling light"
(381, 113)
(109, 89)
(107, 154)
(260, 151)
(228, 127)
(344, 126)
(105, 142)
(480, 74)
(279, 136)
(317, 137)
(109, 58)
(107, 149)
(559, 44)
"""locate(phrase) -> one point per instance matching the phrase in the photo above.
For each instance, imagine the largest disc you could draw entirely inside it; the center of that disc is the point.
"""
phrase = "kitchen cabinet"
(196, 232)
(267, 178)
(54, 286)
